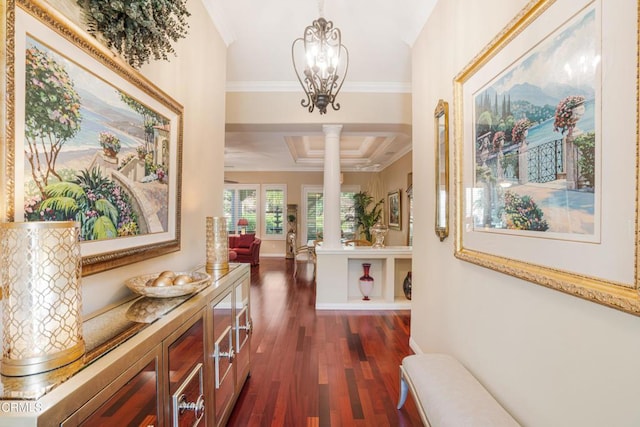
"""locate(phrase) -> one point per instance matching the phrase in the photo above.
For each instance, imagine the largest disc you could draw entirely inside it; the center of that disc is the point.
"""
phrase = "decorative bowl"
(139, 286)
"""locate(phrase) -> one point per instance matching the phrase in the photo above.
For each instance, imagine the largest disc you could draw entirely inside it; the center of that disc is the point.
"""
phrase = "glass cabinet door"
(134, 403)
(223, 356)
(243, 328)
(186, 376)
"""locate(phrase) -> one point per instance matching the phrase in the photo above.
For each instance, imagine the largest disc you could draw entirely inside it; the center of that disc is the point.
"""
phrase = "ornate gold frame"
(441, 144)
(54, 20)
(621, 296)
(398, 195)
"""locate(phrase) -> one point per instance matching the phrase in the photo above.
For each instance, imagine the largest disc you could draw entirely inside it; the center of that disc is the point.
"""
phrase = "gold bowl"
(139, 285)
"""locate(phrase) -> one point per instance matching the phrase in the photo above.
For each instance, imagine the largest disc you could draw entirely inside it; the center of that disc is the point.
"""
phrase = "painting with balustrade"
(545, 153)
(536, 138)
(94, 142)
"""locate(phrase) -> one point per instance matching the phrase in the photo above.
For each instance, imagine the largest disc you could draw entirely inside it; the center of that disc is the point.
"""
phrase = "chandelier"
(321, 62)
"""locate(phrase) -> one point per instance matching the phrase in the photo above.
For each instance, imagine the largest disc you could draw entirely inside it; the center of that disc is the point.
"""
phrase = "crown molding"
(293, 86)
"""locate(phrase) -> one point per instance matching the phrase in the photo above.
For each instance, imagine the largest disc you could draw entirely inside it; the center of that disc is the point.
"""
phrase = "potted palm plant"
(366, 215)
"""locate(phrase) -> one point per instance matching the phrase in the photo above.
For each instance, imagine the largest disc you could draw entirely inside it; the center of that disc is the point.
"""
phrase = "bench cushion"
(450, 395)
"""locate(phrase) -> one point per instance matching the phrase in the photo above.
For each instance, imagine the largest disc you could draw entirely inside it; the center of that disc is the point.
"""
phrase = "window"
(313, 215)
(274, 210)
(241, 201)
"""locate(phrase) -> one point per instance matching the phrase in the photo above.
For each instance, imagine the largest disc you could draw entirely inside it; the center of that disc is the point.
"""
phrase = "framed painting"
(394, 210)
(532, 183)
(441, 143)
(89, 139)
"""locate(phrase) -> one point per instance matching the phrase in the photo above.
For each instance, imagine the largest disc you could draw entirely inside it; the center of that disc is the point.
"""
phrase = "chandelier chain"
(321, 8)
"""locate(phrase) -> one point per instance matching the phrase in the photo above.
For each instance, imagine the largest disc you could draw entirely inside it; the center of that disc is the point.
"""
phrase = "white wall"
(550, 358)
(196, 79)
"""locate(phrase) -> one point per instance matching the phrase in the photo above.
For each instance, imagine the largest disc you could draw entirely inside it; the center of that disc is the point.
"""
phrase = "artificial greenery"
(366, 216)
(138, 29)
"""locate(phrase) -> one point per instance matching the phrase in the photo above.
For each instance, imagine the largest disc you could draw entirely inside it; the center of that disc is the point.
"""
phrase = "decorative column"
(331, 231)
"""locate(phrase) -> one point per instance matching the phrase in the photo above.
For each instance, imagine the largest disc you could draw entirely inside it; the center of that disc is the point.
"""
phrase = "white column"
(331, 231)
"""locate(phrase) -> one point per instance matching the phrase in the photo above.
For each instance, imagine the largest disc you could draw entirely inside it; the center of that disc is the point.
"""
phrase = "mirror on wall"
(441, 143)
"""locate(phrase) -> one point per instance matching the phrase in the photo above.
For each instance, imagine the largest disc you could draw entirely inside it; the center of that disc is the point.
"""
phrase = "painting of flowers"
(536, 138)
(82, 144)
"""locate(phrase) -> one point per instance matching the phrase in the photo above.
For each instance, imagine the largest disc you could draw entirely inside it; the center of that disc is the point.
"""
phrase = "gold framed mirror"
(441, 143)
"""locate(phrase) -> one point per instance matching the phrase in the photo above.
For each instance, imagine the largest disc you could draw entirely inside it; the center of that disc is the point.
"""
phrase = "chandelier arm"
(336, 107)
(305, 103)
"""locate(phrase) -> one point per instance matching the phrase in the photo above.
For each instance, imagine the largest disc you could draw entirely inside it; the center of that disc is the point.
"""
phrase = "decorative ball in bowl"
(168, 284)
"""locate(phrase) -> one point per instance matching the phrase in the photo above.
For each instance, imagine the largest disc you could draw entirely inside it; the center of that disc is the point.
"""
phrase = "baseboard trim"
(414, 346)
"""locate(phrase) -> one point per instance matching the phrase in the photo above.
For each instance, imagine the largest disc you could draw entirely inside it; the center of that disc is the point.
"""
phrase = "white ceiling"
(379, 35)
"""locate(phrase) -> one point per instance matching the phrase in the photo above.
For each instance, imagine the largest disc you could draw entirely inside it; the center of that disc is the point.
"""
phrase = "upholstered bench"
(447, 395)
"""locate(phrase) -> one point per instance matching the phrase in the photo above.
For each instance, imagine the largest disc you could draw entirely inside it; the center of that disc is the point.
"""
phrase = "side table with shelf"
(339, 270)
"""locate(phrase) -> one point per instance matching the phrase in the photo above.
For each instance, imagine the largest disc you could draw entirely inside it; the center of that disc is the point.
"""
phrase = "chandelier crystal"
(322, 58)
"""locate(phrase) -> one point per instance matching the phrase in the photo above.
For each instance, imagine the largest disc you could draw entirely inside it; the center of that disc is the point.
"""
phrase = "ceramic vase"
(366, 282)
(406, 286)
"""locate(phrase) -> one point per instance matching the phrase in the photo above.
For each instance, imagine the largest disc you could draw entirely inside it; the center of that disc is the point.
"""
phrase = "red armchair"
(247, 247)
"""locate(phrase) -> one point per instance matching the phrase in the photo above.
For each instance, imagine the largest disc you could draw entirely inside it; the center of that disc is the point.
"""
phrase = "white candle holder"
(40, 268)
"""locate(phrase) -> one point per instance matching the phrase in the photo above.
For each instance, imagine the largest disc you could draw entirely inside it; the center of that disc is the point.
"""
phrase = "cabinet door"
(223, 357)
(243, 328)
(132, 399)
(185, 362)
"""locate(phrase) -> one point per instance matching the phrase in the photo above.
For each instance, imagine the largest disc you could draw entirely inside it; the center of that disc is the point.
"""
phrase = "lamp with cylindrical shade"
(40, 269)
(243, 223)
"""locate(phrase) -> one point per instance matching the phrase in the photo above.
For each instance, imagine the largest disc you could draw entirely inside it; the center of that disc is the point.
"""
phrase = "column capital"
(332, 130)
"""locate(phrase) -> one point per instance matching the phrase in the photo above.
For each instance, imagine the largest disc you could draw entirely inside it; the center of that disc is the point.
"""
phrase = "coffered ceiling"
(379, 35)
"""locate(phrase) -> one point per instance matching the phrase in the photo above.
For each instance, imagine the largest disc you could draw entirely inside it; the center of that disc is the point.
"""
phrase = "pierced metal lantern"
(217, 244)
(40, 269)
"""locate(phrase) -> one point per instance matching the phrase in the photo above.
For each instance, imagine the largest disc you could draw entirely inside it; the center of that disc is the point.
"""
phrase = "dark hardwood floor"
(320, 368)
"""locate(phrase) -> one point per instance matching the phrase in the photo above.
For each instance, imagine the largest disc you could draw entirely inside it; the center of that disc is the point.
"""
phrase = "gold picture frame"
(603, 266)
(127, 135)
(441, 143)
(394, 210)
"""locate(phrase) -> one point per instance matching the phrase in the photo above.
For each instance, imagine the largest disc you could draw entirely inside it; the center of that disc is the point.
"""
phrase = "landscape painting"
(92, 153)
(537, 139)
(91, 140)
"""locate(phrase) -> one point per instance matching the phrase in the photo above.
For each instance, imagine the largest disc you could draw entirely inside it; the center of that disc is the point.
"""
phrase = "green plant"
(586, 144)
(52, 114)
(101, 207)
(141, 151)
(138, 29)
(519, 131)
(523, 213)
(565, 120)
(364, 215)
(109, 141)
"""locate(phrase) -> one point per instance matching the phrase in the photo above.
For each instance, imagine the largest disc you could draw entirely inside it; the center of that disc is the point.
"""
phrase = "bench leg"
(404, 389)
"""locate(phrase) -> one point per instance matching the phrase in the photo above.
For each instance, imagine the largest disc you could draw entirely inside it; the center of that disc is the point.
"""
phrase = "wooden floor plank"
(320, 368)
